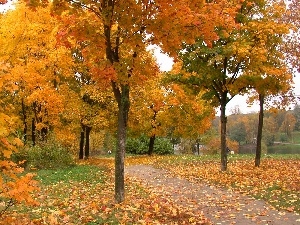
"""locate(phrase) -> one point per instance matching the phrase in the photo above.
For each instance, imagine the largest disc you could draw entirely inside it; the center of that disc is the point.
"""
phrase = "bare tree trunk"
(87, 142)
(81, 145)
(154, 125)
(223, 135)
(151, 144)
(24, 121)
(33, 133)
(260, 130)
(122, 98)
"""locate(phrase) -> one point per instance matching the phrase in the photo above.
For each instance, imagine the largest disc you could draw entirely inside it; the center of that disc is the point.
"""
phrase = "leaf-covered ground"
(275, 181)
(84, 194)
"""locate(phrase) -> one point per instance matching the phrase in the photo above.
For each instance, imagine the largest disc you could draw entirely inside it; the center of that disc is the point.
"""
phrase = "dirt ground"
(220, 206)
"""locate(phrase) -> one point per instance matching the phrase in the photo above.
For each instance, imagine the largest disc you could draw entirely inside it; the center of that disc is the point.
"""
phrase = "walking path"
(220, 206)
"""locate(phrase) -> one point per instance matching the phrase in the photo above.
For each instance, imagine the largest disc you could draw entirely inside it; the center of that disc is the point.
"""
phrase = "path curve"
(222, 207)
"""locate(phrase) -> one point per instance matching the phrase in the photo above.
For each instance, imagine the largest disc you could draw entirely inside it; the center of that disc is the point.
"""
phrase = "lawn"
(84, 194)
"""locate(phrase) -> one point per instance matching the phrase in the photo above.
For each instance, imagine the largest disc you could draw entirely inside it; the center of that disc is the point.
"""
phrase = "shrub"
(47, 156)
(140, 145)
(163, 146)
(137, 145)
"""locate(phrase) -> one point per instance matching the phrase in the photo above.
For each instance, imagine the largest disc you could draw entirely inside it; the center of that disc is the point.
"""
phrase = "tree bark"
(154, 126)
(260, 130)
(122, 97)
(33, 133)
(223, 134)
(24, 121)
(151, 144)
(87, 142)
(81, 145)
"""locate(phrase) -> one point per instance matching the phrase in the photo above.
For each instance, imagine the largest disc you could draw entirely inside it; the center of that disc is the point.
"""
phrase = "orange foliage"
(14, 187)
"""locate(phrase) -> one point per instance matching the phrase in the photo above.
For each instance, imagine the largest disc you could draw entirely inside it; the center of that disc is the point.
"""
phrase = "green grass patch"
(78, 173)
(216, 158)
(281, 199)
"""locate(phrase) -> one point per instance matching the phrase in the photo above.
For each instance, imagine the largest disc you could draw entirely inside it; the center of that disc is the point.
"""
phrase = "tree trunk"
(259, 131)
(122, 98)
(44, 132)
(33, 133)
(151, 144)
(24, 122)
(87, 142)
(81, 145)
(154, 126)
(223, 135)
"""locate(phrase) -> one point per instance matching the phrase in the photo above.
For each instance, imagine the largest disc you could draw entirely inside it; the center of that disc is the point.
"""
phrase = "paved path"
(220, 206)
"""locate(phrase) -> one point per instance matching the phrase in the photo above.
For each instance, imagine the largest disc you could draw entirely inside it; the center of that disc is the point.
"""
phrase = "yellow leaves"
(267, 182)
(7, 153)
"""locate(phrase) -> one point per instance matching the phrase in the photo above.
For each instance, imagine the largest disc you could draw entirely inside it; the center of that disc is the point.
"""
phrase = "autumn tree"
(288, 125)
(164, 109)
(269, 129)
(223, 70)
(116, 34)
(268, 71)
(28, 45)
(238, 132)
(296, 113)
(292, 39)
(15, 187)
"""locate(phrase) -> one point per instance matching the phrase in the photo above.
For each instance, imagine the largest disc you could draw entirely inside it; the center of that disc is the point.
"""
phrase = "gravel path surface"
(219, 205)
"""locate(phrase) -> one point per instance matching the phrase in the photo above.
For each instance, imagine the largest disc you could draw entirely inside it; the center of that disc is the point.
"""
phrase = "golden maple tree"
(115, 34)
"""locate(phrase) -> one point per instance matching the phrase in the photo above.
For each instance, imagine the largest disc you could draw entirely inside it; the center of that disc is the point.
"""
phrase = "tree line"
(69, 68)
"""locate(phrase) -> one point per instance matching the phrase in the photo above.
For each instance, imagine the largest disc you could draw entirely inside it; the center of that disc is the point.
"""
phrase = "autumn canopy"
(69, 68)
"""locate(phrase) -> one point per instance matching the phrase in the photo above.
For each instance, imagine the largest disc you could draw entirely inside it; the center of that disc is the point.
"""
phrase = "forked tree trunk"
(87, 142)
(81, 144)
(260, 130)
(151, 144)
(223, 133)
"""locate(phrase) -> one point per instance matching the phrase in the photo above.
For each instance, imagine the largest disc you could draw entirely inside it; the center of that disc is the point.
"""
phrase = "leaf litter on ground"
(66, 199)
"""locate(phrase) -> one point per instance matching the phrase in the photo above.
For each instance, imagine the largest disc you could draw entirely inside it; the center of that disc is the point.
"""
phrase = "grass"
(296, 137)
(83, 173)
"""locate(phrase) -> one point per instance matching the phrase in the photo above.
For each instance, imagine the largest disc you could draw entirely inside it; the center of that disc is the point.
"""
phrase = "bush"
(162, 146)
(137, 145)
(48, 156)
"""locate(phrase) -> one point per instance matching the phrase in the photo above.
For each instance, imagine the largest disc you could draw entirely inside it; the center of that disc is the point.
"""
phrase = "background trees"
(116, 34)
(36, 69)
(237, 60)
(85, 65)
